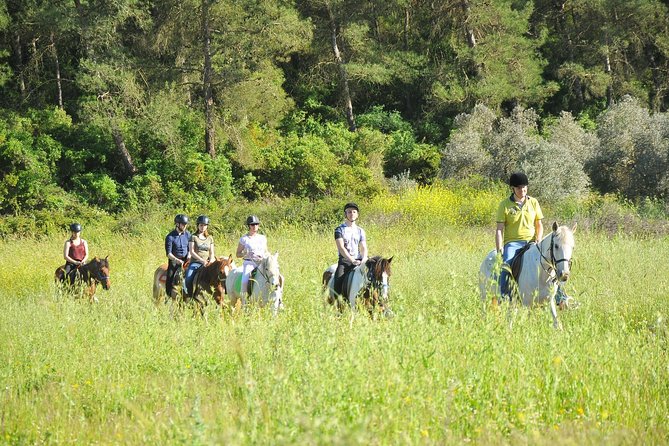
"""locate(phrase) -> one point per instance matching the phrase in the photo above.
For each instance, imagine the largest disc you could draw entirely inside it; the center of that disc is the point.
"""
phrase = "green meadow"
(442, 371)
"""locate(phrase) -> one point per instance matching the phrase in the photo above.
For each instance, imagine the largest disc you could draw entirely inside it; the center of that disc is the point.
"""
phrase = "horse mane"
(565, 235)
(378, 265)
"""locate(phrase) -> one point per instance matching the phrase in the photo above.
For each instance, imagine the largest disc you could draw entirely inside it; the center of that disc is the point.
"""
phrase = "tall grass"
(125, 372)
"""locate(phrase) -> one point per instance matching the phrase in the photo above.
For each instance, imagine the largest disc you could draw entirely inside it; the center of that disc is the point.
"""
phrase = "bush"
(495, 148)
(633, 150)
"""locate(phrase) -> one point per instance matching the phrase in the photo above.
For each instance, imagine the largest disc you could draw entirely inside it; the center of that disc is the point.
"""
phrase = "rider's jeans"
(190, 273)
(508, 253)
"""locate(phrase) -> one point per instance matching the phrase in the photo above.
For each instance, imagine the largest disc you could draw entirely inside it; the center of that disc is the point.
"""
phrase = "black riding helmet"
(75, 227)
(518, 179)
(181, 218)
(252, 220)
(351, 205)
(203, 220)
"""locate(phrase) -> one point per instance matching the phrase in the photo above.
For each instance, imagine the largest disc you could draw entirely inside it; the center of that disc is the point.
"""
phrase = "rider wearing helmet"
(252, 247)
(201, 247)
(519, 223)
(75, 252)
(176, 248)
(351, 242)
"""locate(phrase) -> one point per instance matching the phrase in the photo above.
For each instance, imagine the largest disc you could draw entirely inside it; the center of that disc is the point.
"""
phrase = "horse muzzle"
(563, 275)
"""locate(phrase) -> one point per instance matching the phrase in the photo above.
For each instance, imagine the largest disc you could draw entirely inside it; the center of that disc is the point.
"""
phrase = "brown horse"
(210, 279)
(86, 277)
(159, 280)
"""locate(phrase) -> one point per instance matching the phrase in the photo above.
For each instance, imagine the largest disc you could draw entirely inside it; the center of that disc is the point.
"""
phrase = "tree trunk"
(609, 88)
(343, 78)
(59, 84)
(19, 64)
(408, 96)
(469, 31)
(123, 151)
(206, 81)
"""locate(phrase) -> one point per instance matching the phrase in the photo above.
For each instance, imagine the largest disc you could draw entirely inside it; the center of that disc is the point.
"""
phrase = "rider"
(351, 243)
(519, 223)
(252, 247)
(75, 251)
(201, 248)
(176, 248)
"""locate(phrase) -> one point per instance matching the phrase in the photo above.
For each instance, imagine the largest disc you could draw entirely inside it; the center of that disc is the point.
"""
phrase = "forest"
(114, 105)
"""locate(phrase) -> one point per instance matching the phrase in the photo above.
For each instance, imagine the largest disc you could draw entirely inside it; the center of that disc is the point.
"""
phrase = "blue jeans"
(508, 253)
(190, 273)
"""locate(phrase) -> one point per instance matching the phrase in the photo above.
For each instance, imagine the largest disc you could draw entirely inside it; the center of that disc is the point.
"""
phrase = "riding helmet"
(351, 205)
(181, 218)
(252, 220)
(203, 220)
(75, 227)
(518, 179)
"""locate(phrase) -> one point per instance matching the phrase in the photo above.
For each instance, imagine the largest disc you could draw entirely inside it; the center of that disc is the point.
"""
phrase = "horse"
(86, 277)
(210, 279)
(369, 279)
(266, 284)
(544, 264)
(159, 281)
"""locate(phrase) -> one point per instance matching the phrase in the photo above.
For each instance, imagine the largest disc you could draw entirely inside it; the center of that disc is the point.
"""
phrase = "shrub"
(633, 150)
(495, 148)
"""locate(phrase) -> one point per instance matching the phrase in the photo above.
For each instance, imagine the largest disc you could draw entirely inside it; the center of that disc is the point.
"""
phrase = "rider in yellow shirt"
(519, 222)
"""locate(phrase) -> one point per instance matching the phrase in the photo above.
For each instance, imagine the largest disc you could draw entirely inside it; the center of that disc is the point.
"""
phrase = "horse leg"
(91, 293)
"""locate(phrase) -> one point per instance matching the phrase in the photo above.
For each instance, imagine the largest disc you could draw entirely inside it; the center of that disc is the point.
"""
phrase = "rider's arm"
(85, 252)
(342, 250)
(240, 250)
(212, 255)
(538, 230)
(363, 251)
(499, 236)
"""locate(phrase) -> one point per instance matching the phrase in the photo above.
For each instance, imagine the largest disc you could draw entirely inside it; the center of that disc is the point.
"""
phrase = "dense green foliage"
(122, 104)
(441, 372)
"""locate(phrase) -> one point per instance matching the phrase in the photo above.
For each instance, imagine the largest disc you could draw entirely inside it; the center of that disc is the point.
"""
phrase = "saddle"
(249, 288)
(517, 261)
(347, 281)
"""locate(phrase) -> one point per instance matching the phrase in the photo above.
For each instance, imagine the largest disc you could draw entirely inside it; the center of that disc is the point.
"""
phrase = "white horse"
(370, 278)
(267, 284)
(544, 264)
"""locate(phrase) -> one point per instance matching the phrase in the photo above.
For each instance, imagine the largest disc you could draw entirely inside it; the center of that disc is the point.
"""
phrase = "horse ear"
(390, 259)
(276, 255)
(107, 258)
(573, 228)
(555, 226)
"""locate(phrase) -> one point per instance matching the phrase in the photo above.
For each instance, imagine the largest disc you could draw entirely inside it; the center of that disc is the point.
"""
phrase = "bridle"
(376, 283)
(262, 268)
(552, 262)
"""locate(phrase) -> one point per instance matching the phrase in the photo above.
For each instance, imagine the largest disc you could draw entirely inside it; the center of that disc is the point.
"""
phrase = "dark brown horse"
(210, 280)
(86, 277)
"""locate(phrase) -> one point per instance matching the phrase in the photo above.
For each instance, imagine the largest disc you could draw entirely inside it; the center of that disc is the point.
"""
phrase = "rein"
(261, 270)
(552, 263)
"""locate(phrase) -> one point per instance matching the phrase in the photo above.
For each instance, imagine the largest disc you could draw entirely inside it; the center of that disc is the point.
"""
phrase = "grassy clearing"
(125, 372)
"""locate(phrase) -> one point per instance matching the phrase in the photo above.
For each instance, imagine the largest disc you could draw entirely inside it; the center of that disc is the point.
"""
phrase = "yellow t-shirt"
(518, 220)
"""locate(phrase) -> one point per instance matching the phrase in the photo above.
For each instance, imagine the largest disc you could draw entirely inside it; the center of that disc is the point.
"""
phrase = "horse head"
(378, 273)
(557, 250)
(269, 267)
(223, 267)
(100, 271)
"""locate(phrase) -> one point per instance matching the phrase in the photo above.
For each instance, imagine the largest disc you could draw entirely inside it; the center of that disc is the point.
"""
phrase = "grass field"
(124, 372)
